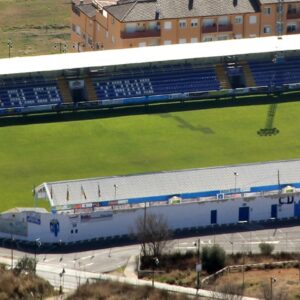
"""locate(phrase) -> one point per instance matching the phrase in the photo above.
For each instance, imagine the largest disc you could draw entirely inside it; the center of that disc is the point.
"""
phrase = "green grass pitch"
(32, 154)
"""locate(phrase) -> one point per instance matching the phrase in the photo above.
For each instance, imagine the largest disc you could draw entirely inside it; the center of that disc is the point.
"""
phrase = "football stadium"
(106, 207)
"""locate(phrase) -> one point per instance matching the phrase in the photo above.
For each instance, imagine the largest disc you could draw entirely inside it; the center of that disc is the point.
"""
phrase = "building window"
(73, 27)
(292, 9)
(238, 36)
(113, 39)
(223, 20)
(106, 34)
(238, 19)
(267, 11)
(194, 23)
(78, 30)
(222, 37)
(252, 35)
(182, 23)
(182, 41)
(142, 44)
(90, 22)
(98, 27)
(168, 25)
(194, 40)
(207, 39)
(291, 28)
(252, 20)
(167, 42)
(267, 29)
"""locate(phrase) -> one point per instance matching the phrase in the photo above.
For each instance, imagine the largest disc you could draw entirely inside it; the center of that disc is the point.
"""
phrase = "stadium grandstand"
(107, 207)
(101, 79)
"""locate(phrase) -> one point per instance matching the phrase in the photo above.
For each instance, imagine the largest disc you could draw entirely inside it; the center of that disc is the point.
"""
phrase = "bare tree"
(152, 231)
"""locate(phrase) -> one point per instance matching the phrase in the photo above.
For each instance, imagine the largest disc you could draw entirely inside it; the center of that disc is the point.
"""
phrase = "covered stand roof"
(164, 185)
(98, 59)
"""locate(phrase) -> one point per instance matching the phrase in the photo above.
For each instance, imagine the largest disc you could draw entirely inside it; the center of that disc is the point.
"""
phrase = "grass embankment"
(118, 291)
(32, 154)
(34, 26)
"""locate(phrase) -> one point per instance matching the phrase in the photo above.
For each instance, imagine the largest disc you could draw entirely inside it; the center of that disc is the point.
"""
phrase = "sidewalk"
(130, 269)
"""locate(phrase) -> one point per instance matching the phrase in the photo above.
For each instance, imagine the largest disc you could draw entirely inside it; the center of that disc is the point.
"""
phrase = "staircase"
(249, 80)
(64, 90)
(222, 77)
(90, 90)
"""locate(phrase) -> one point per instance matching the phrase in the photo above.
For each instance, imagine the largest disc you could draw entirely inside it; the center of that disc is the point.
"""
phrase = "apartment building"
(112, 24)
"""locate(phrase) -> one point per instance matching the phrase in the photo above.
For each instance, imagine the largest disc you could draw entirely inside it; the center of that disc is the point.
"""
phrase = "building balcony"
(209, 29)
(140, 34)
(217, 28)
(293, 15)
(225, 28)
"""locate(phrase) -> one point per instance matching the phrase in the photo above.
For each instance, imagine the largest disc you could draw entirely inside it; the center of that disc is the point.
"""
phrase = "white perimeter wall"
(178, 216)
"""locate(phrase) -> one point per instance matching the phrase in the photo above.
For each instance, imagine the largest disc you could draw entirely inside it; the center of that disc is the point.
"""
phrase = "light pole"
(236, 174)
(61, 277)
(9, 46)
(37, 244)
(61, 46)
(155, 263)
(272, 281)
(115, 187)
(198, 266)
(12, 251)
(77, 46)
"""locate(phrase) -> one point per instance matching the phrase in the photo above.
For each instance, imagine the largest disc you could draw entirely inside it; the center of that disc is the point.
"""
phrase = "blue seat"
(157, 80)
(28, 91)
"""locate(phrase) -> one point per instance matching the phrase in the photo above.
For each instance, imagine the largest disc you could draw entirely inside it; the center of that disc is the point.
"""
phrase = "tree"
(266, 249)
(213, 258)
(152, 231)
(25, 265)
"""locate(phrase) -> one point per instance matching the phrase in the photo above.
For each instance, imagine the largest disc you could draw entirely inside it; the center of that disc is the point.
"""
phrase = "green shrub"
(266, 249)
(213, 258)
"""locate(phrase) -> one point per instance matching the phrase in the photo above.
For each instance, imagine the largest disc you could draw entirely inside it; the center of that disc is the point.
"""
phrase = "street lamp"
(9, 46)
(61, 276)
(272, 281)
(198, 265)
(77, 46)
(12, 251)
(61, 46)
(155, 263)
(115, 187)
(236, 174)
(37, 245)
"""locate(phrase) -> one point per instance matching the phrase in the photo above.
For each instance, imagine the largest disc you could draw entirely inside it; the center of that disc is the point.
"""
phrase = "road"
(106, 260)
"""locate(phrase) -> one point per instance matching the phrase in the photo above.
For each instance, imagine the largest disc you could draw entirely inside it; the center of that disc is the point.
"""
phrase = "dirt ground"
(286, 286)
